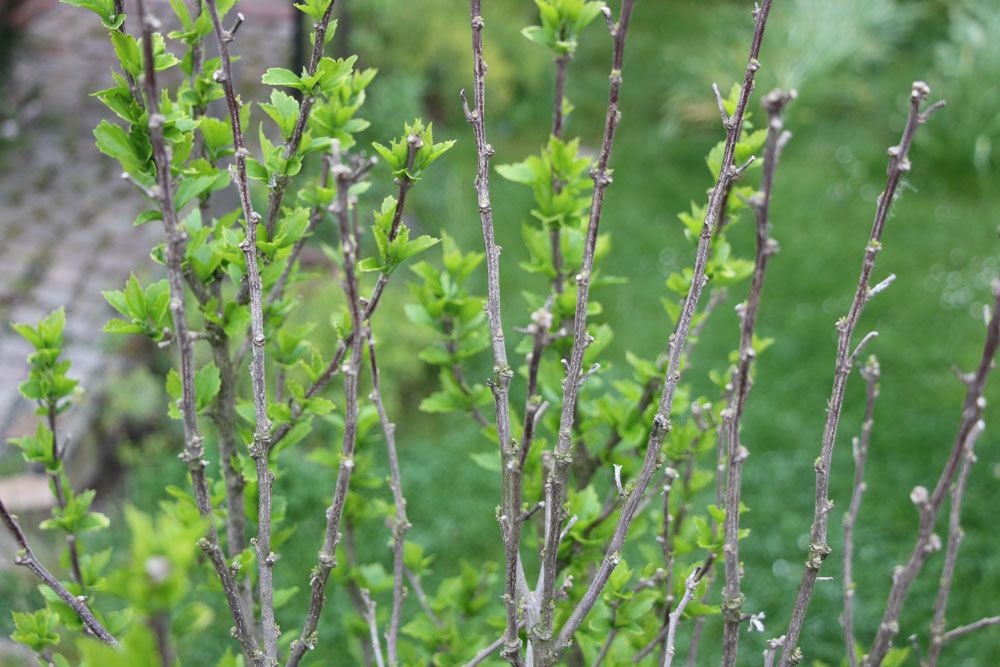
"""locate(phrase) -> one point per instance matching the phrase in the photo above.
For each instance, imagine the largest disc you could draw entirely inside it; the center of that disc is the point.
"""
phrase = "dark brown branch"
(955, 534)
(899, 164)
(870, 372)
(510, 509)
(545, 652)
(194, 450)
(732, 607)
(26, 558)
(677, 344)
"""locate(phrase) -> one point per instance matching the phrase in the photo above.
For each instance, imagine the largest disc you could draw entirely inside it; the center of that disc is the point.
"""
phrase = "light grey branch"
(963, 630)
(899, 164)
(401, 523)
(545, 652)
(732, 608)
(510, 507)
(260, 446)
(955, 534)
(871, 373)
(194, 451)
(678, 341)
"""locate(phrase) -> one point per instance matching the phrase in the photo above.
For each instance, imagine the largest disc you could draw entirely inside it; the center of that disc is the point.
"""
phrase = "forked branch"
(899, 164)
(677, 344)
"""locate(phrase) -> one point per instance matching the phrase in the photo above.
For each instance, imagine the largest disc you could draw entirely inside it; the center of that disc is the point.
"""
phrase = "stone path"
(65, 213)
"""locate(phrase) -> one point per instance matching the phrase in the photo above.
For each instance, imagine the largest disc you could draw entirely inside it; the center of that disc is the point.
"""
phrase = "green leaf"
(206, 385)
(37, 630)
(279, 76)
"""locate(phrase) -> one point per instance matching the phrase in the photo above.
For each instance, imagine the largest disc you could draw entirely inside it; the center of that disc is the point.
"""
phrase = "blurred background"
(65, 220)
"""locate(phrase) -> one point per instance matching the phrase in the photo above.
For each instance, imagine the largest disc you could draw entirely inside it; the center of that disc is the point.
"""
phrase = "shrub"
(592, 464)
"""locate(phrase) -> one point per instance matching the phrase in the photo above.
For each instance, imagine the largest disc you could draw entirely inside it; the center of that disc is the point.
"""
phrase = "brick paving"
(65, 213)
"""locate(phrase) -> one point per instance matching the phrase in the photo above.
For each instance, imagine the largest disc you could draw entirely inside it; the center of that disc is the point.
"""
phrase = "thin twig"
(401, 524)
(678, 341)
(963, 630)
(899, 164)
(372, 627)
(690, 584)
(26, 558)
(194, 451)
(563, 455)
(305, 108)
(732, 606)
(871, 373)
(262, 432)
(955, 534)
(930, 505)
(327, 556)
(422, 598)
(57, 452)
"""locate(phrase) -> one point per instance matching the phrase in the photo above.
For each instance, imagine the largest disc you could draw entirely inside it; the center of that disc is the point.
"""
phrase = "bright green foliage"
(397, 153)
(315, 9)
(146, 309)
(391, 253)
(444, 304)
(38, 448)
(335, 116)
(283, 110)
(162, 553)
(76, 516)
(329, 75)
(559, 179)
(37, 631)
(206, 386)
(562, 23)
(103, 8)
(47, 382)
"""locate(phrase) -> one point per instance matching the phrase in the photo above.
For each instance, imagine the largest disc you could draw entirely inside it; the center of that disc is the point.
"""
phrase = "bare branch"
(690, 584)
(899, 164)
(871, 373)
(930, 505)
(401, 524)
(327, 556)
(678, 341)
(510, 507)
(963, 630)
(26, 558)
(955, 534)
(555, 514)
(372, 626)
(260, 446)
(774, 103)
